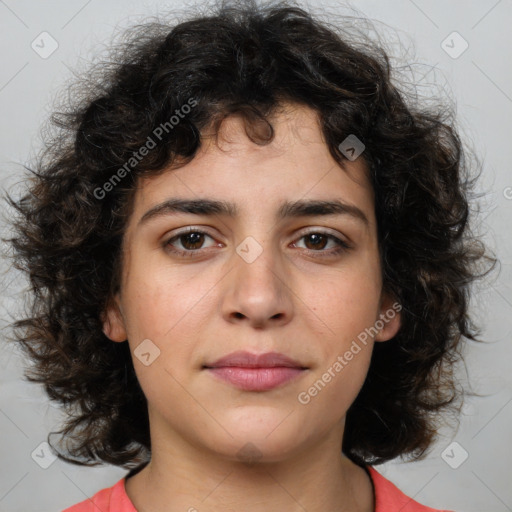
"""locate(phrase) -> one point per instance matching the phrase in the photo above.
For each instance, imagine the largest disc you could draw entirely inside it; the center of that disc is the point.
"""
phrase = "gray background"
(479, 80)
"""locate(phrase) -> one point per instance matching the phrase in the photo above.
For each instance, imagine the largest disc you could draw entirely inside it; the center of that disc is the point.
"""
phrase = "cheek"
(170, 309)
(347, 307)
(345, 302)
(334, 386)
(160, 299)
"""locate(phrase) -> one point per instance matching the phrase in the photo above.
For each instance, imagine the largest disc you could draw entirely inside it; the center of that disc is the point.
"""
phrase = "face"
(202, 283)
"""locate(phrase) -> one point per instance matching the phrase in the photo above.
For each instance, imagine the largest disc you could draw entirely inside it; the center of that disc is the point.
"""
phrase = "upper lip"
(249, 360)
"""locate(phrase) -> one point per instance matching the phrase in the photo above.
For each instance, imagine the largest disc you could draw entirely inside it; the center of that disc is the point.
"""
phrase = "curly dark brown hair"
(250, 59)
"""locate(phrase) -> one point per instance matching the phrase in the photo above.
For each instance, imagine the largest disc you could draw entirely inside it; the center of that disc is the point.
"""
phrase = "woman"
(250, 262)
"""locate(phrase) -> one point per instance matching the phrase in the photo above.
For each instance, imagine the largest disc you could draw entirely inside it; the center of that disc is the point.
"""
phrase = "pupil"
(193, 239)
(316, 238)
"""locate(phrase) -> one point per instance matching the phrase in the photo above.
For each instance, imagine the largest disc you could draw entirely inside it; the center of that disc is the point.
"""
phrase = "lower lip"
(256, 379)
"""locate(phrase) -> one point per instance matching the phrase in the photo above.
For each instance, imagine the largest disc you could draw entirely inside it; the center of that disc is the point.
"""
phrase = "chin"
(255, 450)
(259, 435)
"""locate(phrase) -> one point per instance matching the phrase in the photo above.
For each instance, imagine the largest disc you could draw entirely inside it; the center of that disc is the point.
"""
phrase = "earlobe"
(389, 321)
(113, 322)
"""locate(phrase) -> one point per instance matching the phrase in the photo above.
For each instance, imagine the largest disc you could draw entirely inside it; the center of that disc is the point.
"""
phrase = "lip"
(245, 359)
(256, 372)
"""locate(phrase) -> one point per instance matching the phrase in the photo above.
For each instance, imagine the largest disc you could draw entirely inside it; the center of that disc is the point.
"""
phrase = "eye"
(316, 241)
(191, 240)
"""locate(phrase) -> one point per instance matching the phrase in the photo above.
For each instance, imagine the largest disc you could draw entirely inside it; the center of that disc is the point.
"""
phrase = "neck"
(180, 477)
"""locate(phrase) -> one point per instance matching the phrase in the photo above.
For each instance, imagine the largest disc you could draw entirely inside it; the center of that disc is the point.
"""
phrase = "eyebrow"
(211, 207)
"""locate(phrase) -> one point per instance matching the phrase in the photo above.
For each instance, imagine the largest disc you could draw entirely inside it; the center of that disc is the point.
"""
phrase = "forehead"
(296, 165)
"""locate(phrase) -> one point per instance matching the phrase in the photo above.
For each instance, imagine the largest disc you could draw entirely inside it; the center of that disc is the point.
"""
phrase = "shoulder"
(388, 497)
(110, 499)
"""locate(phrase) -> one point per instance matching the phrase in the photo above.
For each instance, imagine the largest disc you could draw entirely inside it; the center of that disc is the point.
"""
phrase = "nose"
(258, 291)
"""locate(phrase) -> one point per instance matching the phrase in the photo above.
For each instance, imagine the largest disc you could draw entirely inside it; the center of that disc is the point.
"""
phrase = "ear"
(113, 321)
(390, 318)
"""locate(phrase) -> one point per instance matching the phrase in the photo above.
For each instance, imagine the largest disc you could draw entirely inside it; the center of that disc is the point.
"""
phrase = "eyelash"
(342, 246)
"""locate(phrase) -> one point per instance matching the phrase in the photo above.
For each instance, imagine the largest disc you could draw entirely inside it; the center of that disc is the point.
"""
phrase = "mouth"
(253, 372)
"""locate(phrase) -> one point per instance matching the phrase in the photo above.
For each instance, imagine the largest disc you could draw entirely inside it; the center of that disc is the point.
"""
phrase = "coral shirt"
(388, 498)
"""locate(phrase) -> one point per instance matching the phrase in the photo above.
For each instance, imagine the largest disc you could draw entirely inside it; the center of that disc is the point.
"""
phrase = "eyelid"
(339, 240)
(183, 231)
(324, 230)
(189, 229)
(301, 233)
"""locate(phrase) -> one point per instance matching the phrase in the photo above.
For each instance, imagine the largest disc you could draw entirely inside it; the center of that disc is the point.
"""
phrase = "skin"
(197, 309)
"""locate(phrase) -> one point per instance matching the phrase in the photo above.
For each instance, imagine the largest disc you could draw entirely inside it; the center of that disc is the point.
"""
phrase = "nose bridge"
(258, 265)
(257, 287)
